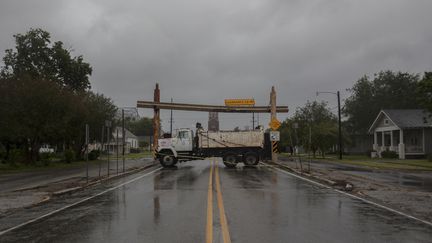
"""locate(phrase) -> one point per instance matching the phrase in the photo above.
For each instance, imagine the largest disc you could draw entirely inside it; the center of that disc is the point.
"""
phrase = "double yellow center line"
(222, 216)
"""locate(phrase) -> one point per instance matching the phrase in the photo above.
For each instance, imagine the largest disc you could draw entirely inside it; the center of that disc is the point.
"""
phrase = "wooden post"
(156, 120)
(273, 116)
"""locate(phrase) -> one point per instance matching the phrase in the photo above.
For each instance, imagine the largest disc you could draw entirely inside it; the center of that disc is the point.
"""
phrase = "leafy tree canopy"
(35, 56)
(387, 90)
(140, 127)
(425, 91)
(317, 128)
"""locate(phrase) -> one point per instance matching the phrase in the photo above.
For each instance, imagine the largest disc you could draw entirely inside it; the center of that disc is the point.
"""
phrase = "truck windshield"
(182, 134)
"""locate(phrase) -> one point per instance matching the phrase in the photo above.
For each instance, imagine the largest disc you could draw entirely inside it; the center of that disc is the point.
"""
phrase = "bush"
(16, 156)
(69, 155)
(135, 150)
(94, 155)
(45, 157)
(389, 154)
(143, 144)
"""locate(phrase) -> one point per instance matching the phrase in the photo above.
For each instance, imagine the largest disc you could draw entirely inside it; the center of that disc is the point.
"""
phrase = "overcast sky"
(203, 51)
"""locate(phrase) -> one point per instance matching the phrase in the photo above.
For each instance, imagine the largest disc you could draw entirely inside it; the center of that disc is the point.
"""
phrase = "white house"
(407, 132)
(131, 141)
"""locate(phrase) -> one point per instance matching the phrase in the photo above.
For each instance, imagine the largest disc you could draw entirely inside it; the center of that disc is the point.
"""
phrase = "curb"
(128, 172)
(325, 181)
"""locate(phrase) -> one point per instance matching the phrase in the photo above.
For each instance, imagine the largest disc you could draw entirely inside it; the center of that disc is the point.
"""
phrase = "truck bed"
(231, 139)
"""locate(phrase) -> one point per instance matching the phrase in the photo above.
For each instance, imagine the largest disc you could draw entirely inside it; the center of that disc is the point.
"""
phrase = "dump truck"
(248, 147)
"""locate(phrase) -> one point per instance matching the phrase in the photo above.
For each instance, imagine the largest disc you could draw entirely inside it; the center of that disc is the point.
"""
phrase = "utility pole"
(102, 148)
(171, 119)
(253, 121)
(340, 127)
(273, 117)
(117, 149)
(123, 140)
(156, 120)
(310, 145)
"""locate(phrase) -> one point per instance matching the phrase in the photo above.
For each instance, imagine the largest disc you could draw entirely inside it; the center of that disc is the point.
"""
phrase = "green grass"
(19, 167)
(408, 164)
(144, 154)
(57, 163)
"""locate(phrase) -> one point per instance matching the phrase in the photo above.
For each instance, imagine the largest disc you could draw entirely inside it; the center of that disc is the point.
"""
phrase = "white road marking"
(76, 203)
(351, 195)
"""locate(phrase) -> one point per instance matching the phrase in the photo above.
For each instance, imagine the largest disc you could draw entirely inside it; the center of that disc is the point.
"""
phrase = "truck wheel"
(230, 160)
(250, 158)
(168, 160)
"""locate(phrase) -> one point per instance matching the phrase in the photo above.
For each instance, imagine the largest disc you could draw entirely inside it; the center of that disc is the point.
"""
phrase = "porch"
(403, 142)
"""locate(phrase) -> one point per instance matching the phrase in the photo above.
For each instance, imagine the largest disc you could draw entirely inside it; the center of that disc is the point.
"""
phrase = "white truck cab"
(171, 147)
(182, 141)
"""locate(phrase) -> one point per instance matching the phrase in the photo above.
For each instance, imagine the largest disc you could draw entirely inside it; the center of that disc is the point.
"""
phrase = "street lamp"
(339, 117)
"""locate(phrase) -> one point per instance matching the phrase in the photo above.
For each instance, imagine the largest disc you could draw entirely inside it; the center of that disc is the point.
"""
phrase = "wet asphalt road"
(171, 205)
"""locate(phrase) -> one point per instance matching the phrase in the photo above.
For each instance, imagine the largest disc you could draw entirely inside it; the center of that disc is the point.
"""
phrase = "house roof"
(407, 118)
(127, 133)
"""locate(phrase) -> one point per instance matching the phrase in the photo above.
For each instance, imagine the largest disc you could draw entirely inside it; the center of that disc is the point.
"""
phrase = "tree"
(425, 91)
(140, 127)
(388, 90)
(33, 112)
(45, 97)
(89, 108)
(35, 57)
(287, 134)
(318, 119)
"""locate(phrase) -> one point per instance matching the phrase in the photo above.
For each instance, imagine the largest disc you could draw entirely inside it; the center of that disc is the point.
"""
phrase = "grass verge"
(397, 164)
(56, 163)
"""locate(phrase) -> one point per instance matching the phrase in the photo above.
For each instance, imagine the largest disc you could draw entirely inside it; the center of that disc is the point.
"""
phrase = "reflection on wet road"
(260, 205)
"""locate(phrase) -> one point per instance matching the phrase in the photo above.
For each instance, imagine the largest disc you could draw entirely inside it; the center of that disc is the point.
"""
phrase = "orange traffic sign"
(274, 124)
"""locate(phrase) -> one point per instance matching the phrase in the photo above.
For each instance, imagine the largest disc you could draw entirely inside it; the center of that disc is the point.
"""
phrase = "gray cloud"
(205, 51)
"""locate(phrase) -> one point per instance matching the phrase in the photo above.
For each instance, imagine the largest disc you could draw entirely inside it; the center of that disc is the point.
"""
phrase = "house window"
(386, 121)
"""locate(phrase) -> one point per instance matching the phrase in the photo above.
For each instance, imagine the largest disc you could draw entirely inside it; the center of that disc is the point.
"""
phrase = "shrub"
(16, 156)
(45, 157)
(69, 155)
(389, 154)
(135, 150)
(143, 144)
(94, 155)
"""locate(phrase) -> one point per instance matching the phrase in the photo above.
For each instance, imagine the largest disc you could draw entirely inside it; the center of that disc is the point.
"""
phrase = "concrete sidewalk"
(24, 189)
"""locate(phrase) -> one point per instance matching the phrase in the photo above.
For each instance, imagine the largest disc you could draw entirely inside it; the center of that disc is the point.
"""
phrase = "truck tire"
(250, 158)
(167, 160)
(230, 160)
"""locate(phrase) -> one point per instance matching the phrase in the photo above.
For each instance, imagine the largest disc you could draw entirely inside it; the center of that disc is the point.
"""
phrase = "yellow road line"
(209, 228)
(223, 220)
